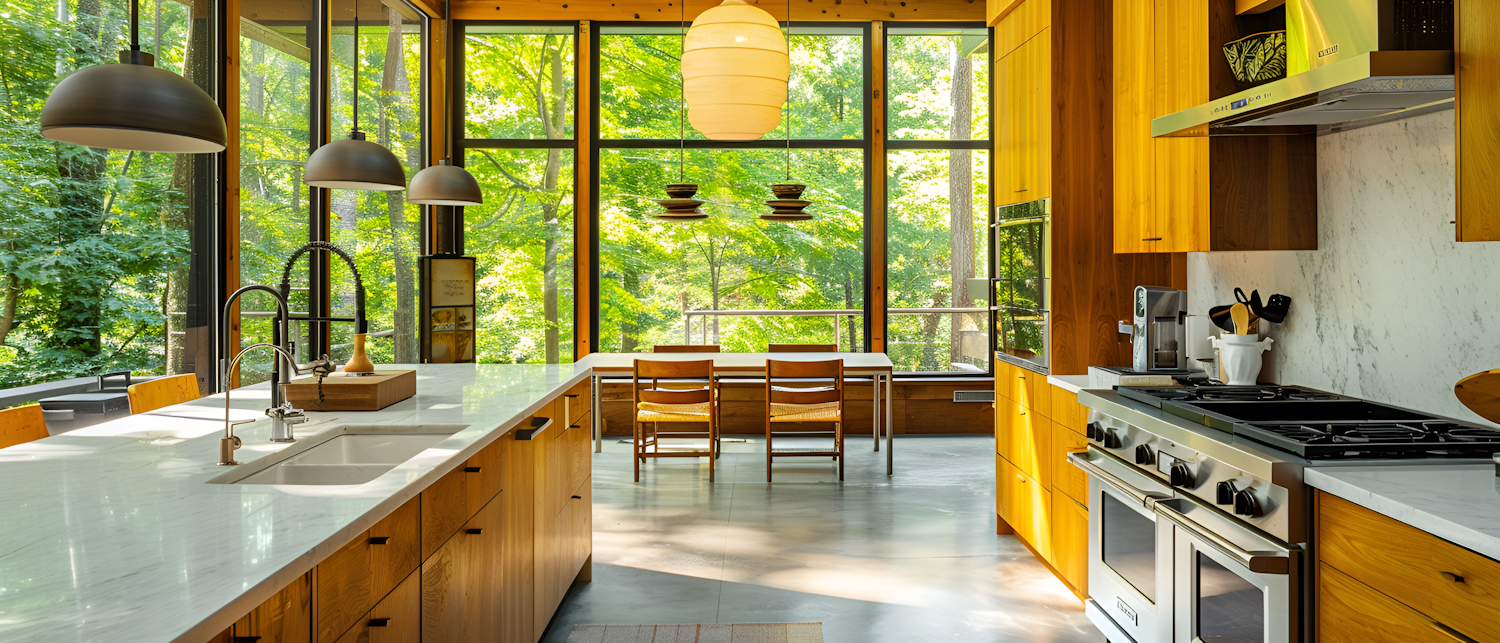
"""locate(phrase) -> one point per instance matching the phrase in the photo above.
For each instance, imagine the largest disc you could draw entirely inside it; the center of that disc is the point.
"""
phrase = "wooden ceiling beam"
(668, 11)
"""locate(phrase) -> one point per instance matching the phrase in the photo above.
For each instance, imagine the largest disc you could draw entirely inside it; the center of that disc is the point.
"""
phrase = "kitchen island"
(115, 532)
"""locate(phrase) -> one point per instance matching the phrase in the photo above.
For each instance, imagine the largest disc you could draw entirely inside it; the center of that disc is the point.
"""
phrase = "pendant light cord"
(448, 121)
(135, 25)
(789, 91)
(681, 91)
(356, 69)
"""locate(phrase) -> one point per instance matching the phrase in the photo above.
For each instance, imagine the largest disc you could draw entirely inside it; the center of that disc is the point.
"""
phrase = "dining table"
(876, 366)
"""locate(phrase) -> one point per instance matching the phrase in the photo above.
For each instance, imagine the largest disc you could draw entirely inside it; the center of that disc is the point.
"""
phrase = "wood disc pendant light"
(445, 183)
(355, 163)
(788, 204)
(134, 106)
(680, 204)
(734, 72)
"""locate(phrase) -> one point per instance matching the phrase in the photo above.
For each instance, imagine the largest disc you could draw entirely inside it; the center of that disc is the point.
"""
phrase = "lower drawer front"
(1350, 612)
(1453, 585)
(1065, 477)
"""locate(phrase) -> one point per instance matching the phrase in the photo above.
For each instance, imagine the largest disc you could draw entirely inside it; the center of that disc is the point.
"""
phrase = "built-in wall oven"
(1021, 237)
(1164, 567)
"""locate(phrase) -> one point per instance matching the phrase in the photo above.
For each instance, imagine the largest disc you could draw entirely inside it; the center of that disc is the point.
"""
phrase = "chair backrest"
(163, 391)
(685, 348)
(803, 348)
(21, 425)
(804, 393)
(833, 368)
(651, 369)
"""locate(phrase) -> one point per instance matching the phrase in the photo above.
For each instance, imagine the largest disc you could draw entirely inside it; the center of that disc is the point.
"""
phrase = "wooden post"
(877, 229)
(230, 169)
(584, 261)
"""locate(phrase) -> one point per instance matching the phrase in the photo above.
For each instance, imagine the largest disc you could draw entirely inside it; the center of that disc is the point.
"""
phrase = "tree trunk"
(630, 325)
(960, 200)
(553, 119)
(394, 88)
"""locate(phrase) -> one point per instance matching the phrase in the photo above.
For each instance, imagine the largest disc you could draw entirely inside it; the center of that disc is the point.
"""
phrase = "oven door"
(1130, 550)
(1232, 584)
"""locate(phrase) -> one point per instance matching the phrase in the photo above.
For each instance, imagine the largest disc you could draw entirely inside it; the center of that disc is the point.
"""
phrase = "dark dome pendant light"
(355, 163)
(134, 106)
(445, 183)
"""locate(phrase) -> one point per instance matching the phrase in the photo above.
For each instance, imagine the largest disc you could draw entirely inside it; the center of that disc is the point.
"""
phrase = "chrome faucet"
(282, 414)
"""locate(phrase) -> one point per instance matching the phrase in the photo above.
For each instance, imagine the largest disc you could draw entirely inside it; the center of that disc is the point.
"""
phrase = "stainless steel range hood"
(1343, 72)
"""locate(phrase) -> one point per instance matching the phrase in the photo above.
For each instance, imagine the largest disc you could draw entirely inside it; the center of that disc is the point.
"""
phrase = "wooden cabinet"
(1023, 163)
(1196, 193)
(349, 582)
(1067, 479)
(1070, 542)
(1476, 140)
(1026, 506)
(1025, 441)
(284, 618)
(397, 618)
(1348, 611)
(1067, 411)
(1450, 584)
(462, 583)
(563, 522)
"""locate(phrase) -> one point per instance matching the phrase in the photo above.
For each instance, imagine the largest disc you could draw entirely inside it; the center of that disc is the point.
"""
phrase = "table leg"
(890, 428)
(875, 412)
(596, 389)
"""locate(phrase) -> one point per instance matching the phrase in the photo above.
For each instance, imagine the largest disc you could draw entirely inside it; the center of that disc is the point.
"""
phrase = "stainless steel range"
(1199, 522)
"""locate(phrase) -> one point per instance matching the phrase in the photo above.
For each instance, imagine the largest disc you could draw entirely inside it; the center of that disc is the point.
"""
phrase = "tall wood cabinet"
(1197, 193)
(1053, 124)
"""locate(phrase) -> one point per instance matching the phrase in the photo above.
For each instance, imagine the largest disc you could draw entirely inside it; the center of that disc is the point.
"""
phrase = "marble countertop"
(112, 532)
(1069, 383)
(1459, 503)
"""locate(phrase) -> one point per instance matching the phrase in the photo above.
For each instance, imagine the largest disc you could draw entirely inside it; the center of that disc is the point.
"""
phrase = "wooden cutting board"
(349, 393)
(1481, 393)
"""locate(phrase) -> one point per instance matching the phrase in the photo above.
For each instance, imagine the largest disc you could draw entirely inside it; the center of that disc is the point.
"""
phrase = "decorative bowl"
(1257, 59)
(682, 190)
(788, 190)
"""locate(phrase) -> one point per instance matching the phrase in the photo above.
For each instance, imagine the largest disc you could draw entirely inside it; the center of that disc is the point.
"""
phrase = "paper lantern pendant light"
(734, 72)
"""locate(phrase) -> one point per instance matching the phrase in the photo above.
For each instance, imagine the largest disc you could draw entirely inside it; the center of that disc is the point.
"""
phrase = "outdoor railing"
(838, 315)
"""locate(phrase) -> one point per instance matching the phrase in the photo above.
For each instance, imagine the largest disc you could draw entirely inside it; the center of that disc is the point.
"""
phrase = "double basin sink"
(350, 454)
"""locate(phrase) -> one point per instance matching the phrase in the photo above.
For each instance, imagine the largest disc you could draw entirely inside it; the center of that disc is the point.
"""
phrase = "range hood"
(1350, 63)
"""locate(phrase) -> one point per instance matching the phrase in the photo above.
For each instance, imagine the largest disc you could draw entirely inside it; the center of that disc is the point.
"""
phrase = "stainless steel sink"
(344, 455)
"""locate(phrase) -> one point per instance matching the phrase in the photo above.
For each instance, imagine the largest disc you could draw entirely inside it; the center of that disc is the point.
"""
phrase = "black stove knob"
(1224, 492)
(1112, 440)
(1143, 455)
(1245, 504)
(1094, 431)
(1181, 475)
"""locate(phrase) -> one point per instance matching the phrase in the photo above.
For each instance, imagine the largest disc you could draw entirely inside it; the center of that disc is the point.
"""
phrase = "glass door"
(1219, 598)
(1130, 547)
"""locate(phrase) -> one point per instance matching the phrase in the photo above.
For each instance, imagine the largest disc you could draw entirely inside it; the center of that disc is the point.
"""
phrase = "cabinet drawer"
(1070, 542)
(283, 618)
(1067, 411)
(1005, 381)
(342, 589)
(1026, 508)
(1026, 445)
(1350, 612)
(1409, 565)
(1068, 479)
(445, 508)
(482, 477)
(1033, 392)
(399, 548)
(579, 403)
(395, 619)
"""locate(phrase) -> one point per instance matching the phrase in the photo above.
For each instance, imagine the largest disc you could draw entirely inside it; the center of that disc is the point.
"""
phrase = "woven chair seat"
(654, 412)
(824, 412)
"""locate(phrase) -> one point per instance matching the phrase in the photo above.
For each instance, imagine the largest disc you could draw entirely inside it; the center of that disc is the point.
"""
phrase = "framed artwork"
(448, 325)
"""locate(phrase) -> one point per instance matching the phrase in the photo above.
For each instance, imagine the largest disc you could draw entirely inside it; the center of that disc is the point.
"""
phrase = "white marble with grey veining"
(1459, 503)
(1069, 383)
(1389, 307)
(112, 533)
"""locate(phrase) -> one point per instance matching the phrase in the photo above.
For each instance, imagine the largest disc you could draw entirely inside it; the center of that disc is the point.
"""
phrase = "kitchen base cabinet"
(1039, 496)
(462, 583)
(284, 618)
(1070, 543)
(1350, 612)
(397, 618)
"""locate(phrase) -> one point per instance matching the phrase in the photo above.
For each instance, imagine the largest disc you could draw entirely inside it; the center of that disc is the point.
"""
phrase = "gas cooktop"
(1318, 425)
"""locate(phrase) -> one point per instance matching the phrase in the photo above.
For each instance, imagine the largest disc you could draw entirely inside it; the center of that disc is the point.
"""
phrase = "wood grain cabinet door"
(1023, 164)
(463, 582)
(395, 619)
(344, 591)
(1134, 149)
(284, 618)
(1070, 541)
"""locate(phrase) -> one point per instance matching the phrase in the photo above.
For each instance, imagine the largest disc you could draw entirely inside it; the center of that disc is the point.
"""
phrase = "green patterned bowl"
(1257, 59)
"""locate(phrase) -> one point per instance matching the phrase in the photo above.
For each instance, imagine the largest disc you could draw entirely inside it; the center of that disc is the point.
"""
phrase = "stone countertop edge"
(253, 597)
(1459, 503)
(1069, 383)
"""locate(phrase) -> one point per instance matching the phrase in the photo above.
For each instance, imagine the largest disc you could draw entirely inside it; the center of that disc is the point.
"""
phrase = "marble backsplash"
(1390, 307)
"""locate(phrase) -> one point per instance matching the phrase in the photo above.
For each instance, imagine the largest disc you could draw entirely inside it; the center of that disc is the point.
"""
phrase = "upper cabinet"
(1023, 170)
(1193, 194)
(1477, 139)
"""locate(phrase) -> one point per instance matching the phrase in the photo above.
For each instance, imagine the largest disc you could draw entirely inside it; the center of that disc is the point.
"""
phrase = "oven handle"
(1080, 460)
(1257, 562)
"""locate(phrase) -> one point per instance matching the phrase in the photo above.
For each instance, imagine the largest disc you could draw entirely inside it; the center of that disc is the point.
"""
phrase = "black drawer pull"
(581, 498)
(246, 639)
(474, 531)
(1151, 239)
(1452, 576)
(471, 469)
(379, 622)
(379, 540)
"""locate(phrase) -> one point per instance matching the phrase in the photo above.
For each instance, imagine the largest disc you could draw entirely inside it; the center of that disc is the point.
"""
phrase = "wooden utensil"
(1240, 313)
(1481, 393)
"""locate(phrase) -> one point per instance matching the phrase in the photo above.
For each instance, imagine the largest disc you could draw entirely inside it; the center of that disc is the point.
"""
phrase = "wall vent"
(973, 396)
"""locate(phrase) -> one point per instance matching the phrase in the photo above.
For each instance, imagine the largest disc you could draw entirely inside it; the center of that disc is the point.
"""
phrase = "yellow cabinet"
(1070, 542)
(1023, 124)
(1026, 506)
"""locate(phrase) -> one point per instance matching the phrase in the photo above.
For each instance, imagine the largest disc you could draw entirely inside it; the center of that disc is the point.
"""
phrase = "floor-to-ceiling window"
(731, 279)
(106, 257)
(937, 191)
(519, 90)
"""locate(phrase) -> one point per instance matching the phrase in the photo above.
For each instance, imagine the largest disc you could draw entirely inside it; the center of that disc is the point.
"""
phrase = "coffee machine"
(1159, 336)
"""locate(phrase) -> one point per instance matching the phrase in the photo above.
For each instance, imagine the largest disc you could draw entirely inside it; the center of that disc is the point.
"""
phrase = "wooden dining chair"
(21, 425)
(802, 348)
(685, 348)
(817, 403)
(657, 405)
(163, 391)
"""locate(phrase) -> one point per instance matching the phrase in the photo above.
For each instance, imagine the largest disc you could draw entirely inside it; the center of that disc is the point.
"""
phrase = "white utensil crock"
(1239, 357)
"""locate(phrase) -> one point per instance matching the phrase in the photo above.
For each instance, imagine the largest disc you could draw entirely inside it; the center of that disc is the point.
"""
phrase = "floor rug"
(707, 633)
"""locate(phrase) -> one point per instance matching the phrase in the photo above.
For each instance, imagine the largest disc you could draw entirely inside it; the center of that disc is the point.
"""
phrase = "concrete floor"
(911, 557)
